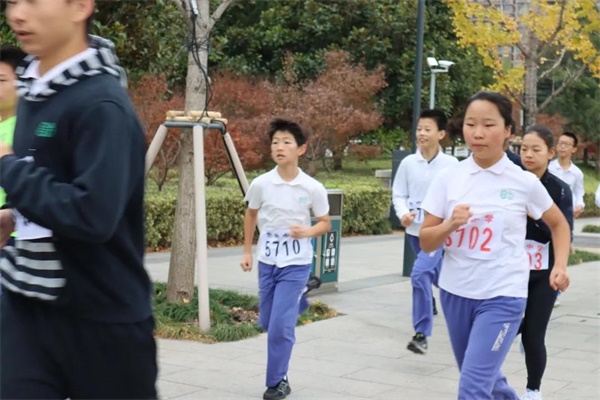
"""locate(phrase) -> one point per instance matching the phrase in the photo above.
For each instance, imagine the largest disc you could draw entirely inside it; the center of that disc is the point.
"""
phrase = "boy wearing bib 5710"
(478, 209)
(281, 201)
(408, 191)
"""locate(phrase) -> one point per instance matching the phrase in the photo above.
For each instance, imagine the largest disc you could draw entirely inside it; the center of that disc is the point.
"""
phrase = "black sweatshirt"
(78, 170)
(561, 195)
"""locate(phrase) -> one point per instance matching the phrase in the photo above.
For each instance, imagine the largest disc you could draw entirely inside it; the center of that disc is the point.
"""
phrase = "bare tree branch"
(218, 13)
(522, 48)
(518, 99)
(562, 87)
(556, 65)
(524, 51)
(559, 27)
(184, 12)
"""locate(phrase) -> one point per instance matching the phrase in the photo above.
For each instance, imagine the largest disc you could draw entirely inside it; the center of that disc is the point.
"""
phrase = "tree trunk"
(180, 286)
(312, 167)
(338, 157)
(586, 156)
(598, 159)
(531, 80)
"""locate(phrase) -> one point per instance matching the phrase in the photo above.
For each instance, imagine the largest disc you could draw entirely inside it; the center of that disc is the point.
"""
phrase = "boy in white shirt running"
(410, 186)
(281, 201)
(567, 171)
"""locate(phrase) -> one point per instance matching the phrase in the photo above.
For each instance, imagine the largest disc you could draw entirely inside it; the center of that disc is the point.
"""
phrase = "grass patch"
(233, 316)
(580, 256)
(590, 179)
(591, 229)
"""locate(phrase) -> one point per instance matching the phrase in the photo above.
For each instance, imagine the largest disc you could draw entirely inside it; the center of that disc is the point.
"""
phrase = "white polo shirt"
(486, 257)
(411, 182)
(281, 204)
(573, 177)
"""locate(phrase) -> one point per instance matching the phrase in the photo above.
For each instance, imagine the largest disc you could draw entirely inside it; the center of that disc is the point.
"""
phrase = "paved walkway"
(362, 354)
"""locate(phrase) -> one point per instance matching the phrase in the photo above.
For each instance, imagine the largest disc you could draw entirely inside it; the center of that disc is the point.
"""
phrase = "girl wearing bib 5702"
(478, 209)
(281, 201)
(536, 150)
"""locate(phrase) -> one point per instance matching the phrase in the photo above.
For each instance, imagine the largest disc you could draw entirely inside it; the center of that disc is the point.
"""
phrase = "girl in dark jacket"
(536, 151)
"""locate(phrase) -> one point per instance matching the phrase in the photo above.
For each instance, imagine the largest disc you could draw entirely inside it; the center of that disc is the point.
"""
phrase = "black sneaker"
(418, 344)
(313, 283)
(435, 311)
(278, 392)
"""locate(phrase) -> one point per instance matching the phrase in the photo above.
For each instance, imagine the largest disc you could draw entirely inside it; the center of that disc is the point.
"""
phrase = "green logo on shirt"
(46, 129)
(507, 194)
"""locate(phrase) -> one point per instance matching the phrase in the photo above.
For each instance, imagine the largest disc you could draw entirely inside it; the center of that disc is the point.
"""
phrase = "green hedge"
(590, 210)
(365, 212)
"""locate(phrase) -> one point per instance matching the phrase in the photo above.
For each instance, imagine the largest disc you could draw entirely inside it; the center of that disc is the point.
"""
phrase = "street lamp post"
(436, 67)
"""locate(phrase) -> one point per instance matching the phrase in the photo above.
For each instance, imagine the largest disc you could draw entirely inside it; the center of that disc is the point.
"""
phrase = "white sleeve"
(400, 190)
(254, 195)
(320, 203)
(598, 196)
(539, 200)
(436, 198)
(578, 191)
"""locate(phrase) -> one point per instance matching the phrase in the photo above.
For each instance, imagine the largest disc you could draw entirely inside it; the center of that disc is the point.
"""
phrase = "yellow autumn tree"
(525, 45)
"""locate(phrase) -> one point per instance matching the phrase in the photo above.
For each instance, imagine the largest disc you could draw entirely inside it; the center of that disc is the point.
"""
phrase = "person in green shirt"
(10, 57)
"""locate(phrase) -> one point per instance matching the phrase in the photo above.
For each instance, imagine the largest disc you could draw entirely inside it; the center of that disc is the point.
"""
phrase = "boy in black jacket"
(76, 316)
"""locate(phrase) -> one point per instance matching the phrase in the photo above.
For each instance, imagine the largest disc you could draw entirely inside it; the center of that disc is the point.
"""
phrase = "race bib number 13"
(538, 255)
(479, 238)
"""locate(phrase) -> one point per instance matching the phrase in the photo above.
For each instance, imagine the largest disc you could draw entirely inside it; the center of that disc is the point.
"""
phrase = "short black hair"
(543, 132)
(572, 136)
(284, 125)
(11, 55)
(438, 116)
(501, 102)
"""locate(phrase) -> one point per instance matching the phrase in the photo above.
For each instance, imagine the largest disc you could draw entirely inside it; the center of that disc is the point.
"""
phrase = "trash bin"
(327, 247)
(409, 254)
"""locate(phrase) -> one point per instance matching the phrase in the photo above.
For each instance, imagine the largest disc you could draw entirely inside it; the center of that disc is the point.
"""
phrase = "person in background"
(566, 170)
(10, 58)
(280, 202)
(408, 191)
(536, 151)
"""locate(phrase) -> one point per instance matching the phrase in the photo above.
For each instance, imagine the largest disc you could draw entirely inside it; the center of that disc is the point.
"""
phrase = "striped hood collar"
(103, 61)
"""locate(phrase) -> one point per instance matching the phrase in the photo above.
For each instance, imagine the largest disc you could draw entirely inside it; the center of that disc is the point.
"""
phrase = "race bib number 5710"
(479, 238)
(278, 246)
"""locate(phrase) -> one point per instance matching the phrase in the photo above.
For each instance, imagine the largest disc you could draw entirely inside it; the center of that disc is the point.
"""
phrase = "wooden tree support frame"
(199, 121)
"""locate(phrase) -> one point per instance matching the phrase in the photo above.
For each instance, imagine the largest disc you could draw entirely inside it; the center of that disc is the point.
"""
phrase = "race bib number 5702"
(479, 238)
